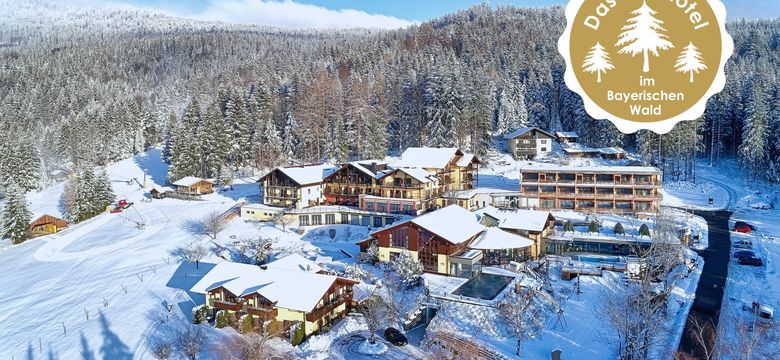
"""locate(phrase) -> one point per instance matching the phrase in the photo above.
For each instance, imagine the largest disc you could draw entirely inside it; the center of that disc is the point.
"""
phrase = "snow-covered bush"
(222, 319)
(594, 227)
(644, 230)
(372, 255)
(568, 226)
(408, 268)
(354, 272)
(199, 314)
(618, 229)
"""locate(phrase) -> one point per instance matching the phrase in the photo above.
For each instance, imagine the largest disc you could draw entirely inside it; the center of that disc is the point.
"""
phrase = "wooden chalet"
(567, 137)
(286, 291)
(46, 225)
(191, 185)
(527, 143)
(536, 225)
(349, 182)
(437, 239)
(295, 187)
(160, 192)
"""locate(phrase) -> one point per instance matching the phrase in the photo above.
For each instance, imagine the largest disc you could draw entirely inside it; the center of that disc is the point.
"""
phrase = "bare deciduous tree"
(161, 349)
(195, 253)
(375, 311)
(522, 315)
(282, 220)
(704, 335)
(212, 224)
(191, 341)
(750, 339)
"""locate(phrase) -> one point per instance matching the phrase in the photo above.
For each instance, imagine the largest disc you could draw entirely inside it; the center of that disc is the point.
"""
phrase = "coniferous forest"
(223, 100)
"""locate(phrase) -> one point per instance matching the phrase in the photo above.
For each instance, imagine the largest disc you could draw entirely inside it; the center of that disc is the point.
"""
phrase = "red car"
(743, 229)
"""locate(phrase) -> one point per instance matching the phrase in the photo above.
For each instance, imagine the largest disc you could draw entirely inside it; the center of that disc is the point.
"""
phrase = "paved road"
(347, 348)
(709, 293)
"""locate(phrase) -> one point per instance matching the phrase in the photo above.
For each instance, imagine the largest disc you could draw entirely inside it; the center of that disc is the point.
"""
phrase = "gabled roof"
(566, 134)
(452, 223)
(190, 181)
(429, 158)
(528, 220)
(467, 159)
(524, 130)
(48, 219)
(305, 174)
(364, 167)
(611, 151)
(161, 189)
(421, 175)
(289, 289)
(294, 262)
(496, 239)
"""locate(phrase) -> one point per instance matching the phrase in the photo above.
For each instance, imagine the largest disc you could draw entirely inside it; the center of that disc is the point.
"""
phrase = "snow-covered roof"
(294, 262)
(365, 167)
(190, 180)
(307, 174)
(452, 223)
(611, 150)
(600, 168)
(362, 291)
(566, 134)
(161, 189)
(422, 175)
(262, 207)
(518, 219)
(290, 289)
(497, 239)
(424, 157)
(465, 160)
(524, 130)
(580, 149)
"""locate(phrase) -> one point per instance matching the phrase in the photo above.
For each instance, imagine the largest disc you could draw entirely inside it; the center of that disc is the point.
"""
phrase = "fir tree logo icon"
(643, 34)
(690, 61)
(597, 61)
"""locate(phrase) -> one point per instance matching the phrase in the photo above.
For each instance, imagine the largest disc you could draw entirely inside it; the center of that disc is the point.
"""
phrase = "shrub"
(222, 319)
(247, 323)
(594, 227)
(199, 314)
(568, 226)
(297, 337)
(644, 230)
(618, 229)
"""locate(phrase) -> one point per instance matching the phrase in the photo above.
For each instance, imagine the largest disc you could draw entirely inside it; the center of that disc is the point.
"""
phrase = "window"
(544, 142)
(308, 191)
(567, 204)
(330, 219)
(395, 208)
(544, 149)
(389, 220)
(547, 204)
(526, 141)
(378, 222)
(366, 221)
(408, 209)
(381, 207)
(316, 219)
(303, 220)
(399, 238)
(345, 218)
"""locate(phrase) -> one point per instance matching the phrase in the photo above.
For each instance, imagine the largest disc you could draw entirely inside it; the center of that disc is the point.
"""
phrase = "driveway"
(347, 348)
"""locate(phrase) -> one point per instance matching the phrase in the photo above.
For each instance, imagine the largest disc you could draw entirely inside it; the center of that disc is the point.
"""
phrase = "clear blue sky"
(382, 13)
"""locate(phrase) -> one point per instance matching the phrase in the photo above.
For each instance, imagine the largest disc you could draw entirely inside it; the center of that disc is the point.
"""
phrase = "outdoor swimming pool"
(484, 286)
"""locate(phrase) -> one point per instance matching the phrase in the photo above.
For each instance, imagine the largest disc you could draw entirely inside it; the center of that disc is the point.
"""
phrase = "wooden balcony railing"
(228, 305)
(329, 306)
(263, 312)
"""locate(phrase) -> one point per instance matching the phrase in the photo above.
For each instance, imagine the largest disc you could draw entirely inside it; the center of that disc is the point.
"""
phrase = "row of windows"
(329, 219)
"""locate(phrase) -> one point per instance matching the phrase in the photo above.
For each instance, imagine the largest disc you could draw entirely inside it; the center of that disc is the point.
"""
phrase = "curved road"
(709, 292)
(347, 348)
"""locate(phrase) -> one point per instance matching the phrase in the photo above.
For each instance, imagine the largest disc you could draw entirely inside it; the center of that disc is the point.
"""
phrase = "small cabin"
(566, 137)
(47, 225)
(160, 192)
(612, 153)
(191, 185)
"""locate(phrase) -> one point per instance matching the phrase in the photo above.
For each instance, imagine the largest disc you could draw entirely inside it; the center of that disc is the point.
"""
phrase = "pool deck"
(485, 286)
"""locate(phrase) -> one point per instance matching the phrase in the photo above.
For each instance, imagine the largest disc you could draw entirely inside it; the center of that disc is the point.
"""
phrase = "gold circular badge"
(645, 64)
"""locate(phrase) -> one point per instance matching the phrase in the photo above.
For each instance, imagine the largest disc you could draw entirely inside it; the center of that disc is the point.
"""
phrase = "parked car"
(395, 337)
(743, 227)
(744, 254)
(751, 261)
(743, 244)
(766, 314)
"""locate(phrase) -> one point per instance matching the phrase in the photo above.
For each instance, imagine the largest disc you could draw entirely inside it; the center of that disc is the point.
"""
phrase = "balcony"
(263, 313)
(228, 305)
(329, 306)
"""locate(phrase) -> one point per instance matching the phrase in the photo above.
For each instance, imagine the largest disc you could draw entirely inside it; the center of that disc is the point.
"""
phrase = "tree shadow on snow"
(184, 278)
(113, 347)
(86, 352)
(193, 227)
(152, 164)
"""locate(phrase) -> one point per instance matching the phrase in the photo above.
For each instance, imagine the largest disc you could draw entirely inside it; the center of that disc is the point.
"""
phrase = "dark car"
(395, 337)
(744, 254)
(751, 261)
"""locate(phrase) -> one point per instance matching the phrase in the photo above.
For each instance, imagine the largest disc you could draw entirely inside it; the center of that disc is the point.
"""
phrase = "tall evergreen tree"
(16, 217)
(752, 152)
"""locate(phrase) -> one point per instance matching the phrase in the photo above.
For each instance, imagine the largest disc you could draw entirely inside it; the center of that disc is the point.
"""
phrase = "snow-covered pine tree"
(443, 108)
(16, 217)
(171, 129)
(374, 131)
(755, 133)
(512, 111)
(216, 146)
(408, 268)
(103, 192)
